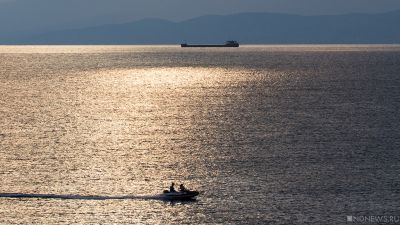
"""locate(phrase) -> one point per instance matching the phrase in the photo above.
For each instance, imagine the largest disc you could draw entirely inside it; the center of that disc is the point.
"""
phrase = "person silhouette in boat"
(182, 188)
(172, 188)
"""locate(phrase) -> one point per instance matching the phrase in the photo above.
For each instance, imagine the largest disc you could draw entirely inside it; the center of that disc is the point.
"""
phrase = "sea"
(268, 134)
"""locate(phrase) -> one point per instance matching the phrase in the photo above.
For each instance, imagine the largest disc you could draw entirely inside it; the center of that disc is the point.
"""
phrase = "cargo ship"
(227, 44)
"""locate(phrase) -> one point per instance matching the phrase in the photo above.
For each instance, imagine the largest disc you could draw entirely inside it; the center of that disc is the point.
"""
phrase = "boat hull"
(210, 46)
(187, 195)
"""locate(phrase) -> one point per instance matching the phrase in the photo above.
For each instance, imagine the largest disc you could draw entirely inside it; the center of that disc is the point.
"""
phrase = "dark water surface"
(268, 134)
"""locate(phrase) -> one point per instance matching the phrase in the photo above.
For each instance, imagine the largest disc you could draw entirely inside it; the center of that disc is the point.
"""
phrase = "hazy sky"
(41, 15)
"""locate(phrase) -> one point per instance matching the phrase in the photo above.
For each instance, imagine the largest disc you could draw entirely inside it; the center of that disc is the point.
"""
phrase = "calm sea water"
(267, 134)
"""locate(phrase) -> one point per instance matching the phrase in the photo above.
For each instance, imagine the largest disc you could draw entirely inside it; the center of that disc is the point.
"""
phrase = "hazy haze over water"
(268, 134)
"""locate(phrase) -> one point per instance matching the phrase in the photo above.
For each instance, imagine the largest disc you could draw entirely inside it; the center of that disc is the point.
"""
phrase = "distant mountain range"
(247, 28)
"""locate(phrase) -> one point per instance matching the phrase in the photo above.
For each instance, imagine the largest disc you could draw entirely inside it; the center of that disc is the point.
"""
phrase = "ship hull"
(210, 46)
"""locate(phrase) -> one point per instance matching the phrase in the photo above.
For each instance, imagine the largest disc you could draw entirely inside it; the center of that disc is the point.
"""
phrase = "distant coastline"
(247, 28)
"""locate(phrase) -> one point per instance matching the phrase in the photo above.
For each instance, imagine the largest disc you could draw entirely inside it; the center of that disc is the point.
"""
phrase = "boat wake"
(79, 197)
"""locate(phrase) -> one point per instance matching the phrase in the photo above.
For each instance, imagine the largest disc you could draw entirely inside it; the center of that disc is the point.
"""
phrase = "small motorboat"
(181, 195)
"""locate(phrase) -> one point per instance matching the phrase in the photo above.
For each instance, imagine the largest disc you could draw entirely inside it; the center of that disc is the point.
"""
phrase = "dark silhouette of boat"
(227, 44)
